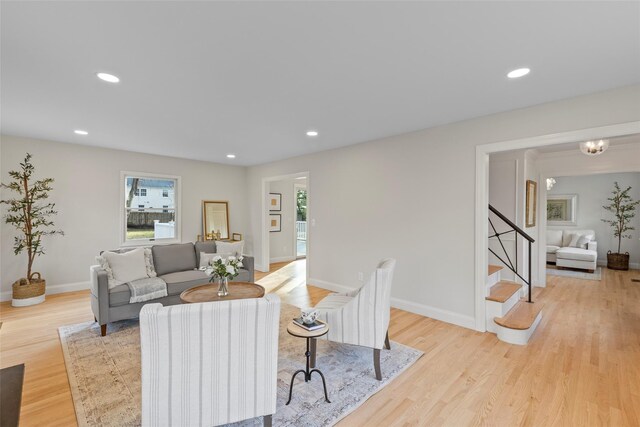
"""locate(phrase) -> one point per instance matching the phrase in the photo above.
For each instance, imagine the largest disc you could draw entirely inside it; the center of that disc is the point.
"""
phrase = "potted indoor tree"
(31, 215)
(623, 209)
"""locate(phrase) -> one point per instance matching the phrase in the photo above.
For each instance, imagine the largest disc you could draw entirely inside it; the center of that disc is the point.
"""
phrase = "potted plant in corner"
(31, 216)
(623, 208)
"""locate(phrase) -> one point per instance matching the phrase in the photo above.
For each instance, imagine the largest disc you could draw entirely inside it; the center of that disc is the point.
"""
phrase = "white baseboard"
(283, 259)
(334, 287)
(53, 289)
(452, 317)
(413, 307)
(261, 268)
(632, 265)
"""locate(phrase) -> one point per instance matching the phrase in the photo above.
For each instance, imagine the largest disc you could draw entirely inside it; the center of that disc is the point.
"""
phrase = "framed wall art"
(531, 203)
(275, 202)
(275, 225)
(562, 209)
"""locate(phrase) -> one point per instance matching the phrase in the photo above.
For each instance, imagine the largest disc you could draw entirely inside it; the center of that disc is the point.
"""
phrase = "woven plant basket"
(618, 261)
(29, 292)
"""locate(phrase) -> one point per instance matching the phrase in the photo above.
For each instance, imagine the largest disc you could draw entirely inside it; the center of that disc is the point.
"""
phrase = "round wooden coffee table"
(209, 292)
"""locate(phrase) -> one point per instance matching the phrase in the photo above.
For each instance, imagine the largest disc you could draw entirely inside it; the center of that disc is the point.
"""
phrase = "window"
(141, 223)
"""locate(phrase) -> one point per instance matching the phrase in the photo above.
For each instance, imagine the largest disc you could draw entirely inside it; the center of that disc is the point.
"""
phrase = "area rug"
(104, 375)
(597, 275)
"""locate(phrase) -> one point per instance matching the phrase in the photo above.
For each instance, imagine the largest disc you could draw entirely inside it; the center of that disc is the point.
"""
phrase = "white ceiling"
(203, 79)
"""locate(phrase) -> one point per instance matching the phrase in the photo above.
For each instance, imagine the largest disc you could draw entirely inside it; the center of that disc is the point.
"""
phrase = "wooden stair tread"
(502, 291)
(521, 316)
(494, 269)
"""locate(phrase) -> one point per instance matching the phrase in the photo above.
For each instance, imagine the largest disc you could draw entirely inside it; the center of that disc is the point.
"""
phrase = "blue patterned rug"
(104, 374)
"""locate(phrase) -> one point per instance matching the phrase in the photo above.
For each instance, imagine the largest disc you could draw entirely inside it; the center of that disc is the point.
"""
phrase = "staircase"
(509, 315)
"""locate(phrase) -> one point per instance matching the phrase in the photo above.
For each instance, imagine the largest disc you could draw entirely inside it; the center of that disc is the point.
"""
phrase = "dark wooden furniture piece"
(310, 336)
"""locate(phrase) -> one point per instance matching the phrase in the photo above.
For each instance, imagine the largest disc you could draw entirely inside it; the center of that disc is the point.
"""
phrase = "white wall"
(508, 174)
(281, 243)
(593, 191)
(412, 196)
(503, 195)
(86, 192)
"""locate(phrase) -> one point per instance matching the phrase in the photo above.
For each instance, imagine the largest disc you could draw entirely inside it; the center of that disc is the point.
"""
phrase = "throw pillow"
(127, 266)
(148, 260)
(583, 241)
(235, 248)
(105, 266)
(206, 258)
(573, 243)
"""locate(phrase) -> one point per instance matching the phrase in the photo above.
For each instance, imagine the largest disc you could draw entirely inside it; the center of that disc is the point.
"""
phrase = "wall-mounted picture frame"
(275, 202)
(562, 209)
(275, 225)
(236, 237)
(531, 203)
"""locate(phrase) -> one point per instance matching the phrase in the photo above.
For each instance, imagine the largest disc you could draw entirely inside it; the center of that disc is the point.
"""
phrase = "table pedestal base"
(307, 375)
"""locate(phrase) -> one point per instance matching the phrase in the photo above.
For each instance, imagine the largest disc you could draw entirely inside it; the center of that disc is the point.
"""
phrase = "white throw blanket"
(147, 289)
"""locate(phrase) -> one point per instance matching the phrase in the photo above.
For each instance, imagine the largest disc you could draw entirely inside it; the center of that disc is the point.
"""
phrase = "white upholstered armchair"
(209, 363)
(361, 317)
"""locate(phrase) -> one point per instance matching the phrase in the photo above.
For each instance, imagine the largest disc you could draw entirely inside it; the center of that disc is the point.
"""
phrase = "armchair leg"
(266, 420)
(312, 363)
(103, 330)
(376, 363)
(387, 345)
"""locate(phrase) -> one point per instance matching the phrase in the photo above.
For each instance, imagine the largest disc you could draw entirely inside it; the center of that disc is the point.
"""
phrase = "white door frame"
(265, 261)
(482, 192)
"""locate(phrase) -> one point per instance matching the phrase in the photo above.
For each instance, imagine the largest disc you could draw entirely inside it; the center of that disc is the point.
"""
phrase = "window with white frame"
(142, 223)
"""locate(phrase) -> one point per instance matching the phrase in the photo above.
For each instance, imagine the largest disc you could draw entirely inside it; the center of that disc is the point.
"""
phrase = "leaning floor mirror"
(215, 219)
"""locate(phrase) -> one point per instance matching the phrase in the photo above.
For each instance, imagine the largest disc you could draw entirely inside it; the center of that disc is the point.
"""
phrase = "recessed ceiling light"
(108, 77)
(80, 132)
(231, 156)
(312, 133)
(518, 73)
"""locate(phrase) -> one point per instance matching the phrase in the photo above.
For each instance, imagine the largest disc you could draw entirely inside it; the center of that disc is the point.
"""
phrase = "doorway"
(285, 234)
(482, 194)
(300, 194)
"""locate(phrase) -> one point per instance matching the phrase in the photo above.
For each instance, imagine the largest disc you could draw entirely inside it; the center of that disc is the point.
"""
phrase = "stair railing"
(508, 263)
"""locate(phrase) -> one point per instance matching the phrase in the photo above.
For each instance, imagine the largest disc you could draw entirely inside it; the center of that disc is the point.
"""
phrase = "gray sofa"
(176, 264)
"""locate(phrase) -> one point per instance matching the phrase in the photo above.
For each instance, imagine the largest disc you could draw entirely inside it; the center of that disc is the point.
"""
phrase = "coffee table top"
(299, 331)
(209, 292)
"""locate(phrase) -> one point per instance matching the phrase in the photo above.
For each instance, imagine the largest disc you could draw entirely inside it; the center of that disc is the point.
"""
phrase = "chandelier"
(593, 148)
(550, 183)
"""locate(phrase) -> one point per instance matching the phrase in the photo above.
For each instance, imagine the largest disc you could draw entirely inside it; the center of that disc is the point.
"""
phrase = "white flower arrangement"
(219, 267)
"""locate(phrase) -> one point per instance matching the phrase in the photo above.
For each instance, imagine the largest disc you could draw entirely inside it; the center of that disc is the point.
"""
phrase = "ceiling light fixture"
(80, 132)
(108, 77)
(594, 148)
(520, 72)
(231, 156)
(312, 133)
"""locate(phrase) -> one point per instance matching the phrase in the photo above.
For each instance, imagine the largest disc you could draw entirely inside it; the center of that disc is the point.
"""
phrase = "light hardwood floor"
(581, 367)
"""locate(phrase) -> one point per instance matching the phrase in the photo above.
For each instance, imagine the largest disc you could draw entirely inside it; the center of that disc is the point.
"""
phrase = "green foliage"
(301, 205)
(28, 213)
(623, 209)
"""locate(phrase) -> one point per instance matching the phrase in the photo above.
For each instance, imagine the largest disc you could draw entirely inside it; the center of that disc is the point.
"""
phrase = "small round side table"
(300, 332)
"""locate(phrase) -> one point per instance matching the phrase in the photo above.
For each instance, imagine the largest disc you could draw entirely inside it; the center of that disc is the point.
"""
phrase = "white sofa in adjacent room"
(572, 248)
